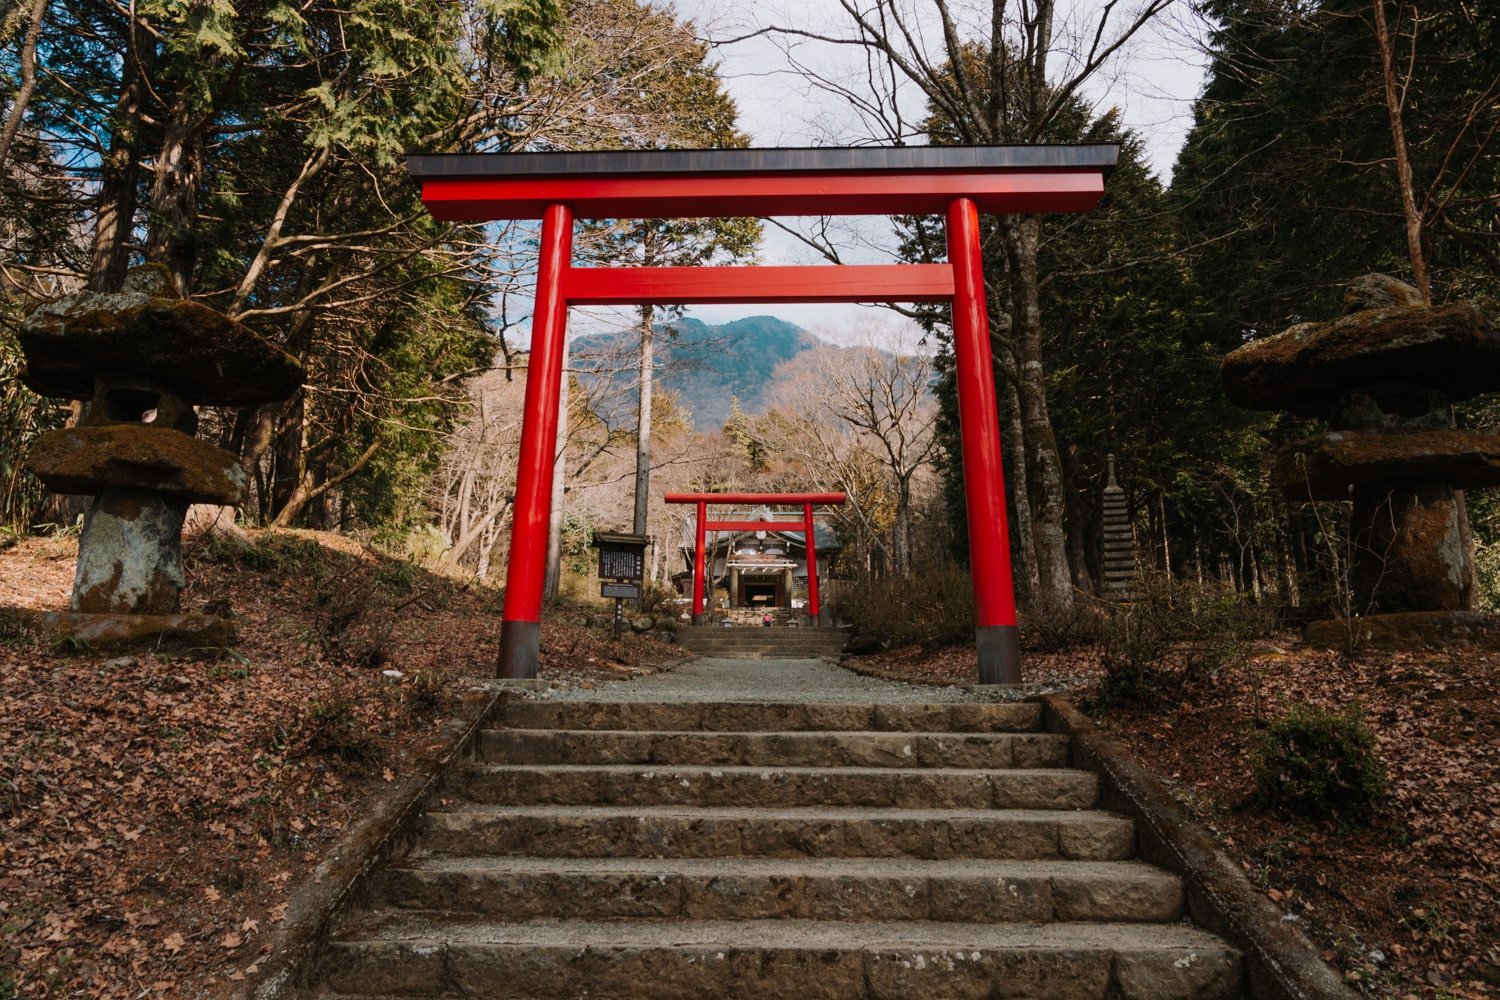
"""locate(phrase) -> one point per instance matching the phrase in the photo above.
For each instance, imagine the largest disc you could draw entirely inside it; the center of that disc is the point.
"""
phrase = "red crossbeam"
(626, 286)
(792, 526)
(765, 498)
(680, 196)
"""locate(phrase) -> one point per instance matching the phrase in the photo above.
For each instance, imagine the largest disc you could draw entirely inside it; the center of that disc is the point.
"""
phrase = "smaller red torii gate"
(808, 502)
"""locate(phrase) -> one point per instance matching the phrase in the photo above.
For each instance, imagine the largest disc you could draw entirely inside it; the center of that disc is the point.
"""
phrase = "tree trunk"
(170, 236)
(119, 170)
(901, 530)
(28, 80)
(1394, 99)
(1055, 594)
(643, 423)
(552, 583)
(1020, 504)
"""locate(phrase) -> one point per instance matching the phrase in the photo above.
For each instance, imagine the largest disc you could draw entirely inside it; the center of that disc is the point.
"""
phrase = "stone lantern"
(145, 357)
(1384, 376)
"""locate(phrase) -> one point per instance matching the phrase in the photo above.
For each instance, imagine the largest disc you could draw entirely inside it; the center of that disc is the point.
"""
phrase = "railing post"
(520, 628)
(996, 641)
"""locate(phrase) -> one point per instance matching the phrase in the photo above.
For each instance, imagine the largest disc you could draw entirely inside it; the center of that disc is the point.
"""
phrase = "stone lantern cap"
(1307, 368)
(86, 459)
(147, 330)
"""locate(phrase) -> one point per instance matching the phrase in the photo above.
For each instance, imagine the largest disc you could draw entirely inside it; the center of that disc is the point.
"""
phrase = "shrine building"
(765, 568)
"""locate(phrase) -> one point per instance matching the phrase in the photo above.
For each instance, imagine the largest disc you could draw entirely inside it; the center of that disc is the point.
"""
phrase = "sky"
(1153, 82)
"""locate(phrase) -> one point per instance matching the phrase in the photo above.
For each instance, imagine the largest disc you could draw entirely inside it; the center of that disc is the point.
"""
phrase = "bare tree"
(882, 392)
(1002, 71)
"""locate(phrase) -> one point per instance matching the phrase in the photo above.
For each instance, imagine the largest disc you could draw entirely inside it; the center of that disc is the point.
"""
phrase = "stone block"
(1179, 974)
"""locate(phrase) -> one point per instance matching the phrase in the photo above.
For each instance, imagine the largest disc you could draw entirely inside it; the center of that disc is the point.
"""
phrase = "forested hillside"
(705, 366)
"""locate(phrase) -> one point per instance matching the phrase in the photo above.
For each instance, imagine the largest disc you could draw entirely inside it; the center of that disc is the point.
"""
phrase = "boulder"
(1307, 368)
(1379, 291)
(148, 331)
(642, 623)
(1328, 465)
(88, 459)
(864, 645)
(130, 555)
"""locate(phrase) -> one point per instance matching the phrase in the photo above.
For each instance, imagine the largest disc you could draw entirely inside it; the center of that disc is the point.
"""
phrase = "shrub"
(1137, 638)
(330, 729)
(933, 608)
(1174, 634)
(1051, 631)
(659, 600)
(1319, 763)
(265, 552)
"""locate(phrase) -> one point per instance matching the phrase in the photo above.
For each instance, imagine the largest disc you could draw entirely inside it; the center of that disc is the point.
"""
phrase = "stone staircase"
(713, 850)
(759, 642)
(756, 617)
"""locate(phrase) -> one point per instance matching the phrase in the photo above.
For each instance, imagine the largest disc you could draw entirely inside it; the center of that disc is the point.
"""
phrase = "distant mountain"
(706, 365)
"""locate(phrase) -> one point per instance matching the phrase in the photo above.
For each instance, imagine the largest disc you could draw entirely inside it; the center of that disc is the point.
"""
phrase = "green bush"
(1318, 763)
(932, 609)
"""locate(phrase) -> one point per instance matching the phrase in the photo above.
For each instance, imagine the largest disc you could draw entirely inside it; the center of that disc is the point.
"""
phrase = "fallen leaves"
(157, 813)
(1409, 907)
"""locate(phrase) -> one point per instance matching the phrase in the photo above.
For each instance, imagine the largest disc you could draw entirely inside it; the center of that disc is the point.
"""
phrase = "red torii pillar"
(806, 500)
(957, 182)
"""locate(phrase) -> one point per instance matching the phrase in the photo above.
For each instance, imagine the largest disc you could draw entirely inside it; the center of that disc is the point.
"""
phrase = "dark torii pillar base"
(999, 649)
(520, 650)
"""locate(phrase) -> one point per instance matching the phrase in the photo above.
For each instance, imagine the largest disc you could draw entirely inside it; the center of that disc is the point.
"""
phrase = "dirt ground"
(156, 811)
(1408, 906)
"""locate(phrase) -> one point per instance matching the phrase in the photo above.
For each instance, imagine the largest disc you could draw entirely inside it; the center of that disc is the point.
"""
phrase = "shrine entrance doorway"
(957, 183)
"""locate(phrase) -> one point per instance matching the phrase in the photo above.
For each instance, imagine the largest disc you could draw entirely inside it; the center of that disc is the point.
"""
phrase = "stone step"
(763, 653)
(763, 637)
(826, 832)
(747, 717)
(774, 749)
(771, 889)
(789, 649)
(889, 787)
(809, 960)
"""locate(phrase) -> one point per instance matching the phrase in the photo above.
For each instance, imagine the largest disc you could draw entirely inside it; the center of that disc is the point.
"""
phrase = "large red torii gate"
(957, 182)
(807, 501)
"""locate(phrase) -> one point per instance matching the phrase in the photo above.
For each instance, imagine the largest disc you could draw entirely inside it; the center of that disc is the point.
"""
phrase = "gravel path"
(713, 679)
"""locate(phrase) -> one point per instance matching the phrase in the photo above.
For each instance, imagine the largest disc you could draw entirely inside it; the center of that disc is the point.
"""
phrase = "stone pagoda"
(144, 357)
(1385, 377)
(1121, 573)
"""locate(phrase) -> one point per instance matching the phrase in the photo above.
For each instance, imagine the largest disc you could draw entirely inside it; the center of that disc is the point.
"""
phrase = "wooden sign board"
(628, 591)
(621, 557)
